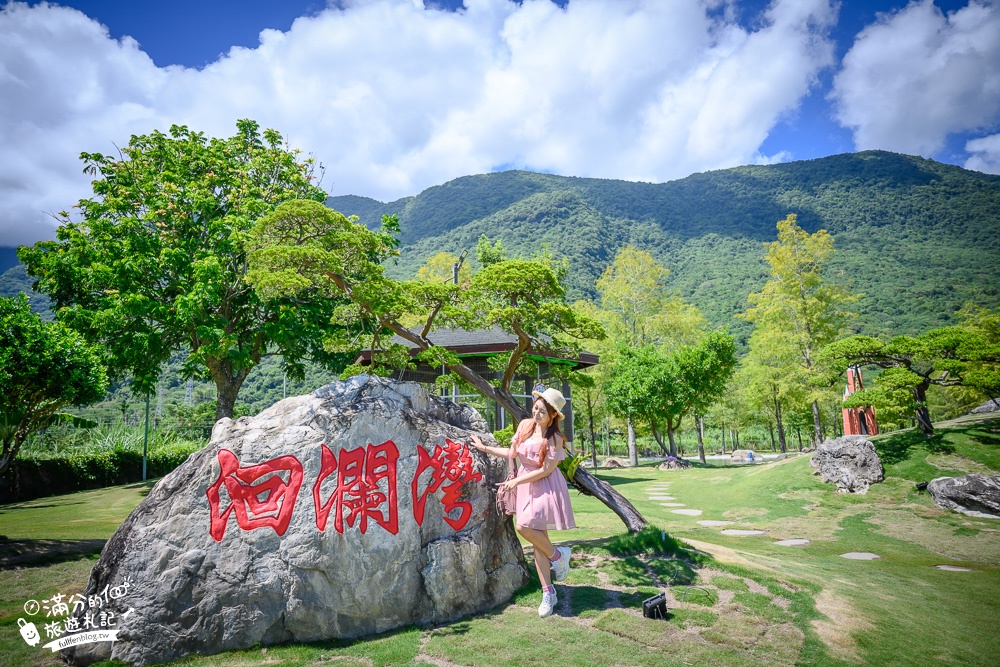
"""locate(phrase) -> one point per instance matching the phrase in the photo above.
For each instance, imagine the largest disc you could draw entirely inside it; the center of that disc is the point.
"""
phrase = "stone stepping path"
(795, 542)
(659, 497)
(712, 523)
(672, 504)
(687, 512)
(860, 555)
(742, 533)
(954, 568)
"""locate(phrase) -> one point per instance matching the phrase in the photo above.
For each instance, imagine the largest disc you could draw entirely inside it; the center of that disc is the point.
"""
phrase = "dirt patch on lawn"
(971, 541)
(959, 463)
(724, 554)
(837, 630)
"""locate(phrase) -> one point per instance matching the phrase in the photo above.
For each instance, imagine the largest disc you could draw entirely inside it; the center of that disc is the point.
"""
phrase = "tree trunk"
(723, 430)
(817, 426)
(770, 428)
(593, 435)
(227, 386)
(633, 453)
(670, 436)
(798, 434)
(699, 426)
(781, 427)
(922, 414)
(658, 438)
(604, 492)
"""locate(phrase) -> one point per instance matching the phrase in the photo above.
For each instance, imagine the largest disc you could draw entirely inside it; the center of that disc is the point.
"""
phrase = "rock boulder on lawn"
(343, 513)
(990, 406)
(975, 495)
(674, 463)
(849, 462)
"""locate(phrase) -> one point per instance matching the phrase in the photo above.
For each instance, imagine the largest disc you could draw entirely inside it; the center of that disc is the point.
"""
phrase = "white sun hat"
(553, 397)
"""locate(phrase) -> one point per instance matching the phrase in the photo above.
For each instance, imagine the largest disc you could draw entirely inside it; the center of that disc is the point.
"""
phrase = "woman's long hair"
(527, 427)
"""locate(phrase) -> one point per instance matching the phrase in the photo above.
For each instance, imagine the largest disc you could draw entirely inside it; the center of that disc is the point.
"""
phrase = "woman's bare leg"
(543, 552)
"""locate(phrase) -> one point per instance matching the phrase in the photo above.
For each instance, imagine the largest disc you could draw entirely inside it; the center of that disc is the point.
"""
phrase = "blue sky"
(394, 96)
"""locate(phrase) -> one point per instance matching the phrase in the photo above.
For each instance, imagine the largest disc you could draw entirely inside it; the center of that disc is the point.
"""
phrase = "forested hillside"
(917, 237)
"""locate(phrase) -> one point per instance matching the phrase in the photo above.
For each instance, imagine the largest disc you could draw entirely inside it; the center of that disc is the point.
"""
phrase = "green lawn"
(750, 602)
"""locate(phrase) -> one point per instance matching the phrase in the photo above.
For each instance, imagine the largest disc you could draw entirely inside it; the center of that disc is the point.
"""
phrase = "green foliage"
(653, 541)
(658, 388)
(505, 435)
(44, 367)
(305, 246)
(798, 310)
(158, 261)
(98, 458)
(15, 281)
(639, 309)
(490, 253)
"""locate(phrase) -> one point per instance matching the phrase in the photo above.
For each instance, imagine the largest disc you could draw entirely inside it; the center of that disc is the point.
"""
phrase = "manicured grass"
(750, 603)
(76, 516)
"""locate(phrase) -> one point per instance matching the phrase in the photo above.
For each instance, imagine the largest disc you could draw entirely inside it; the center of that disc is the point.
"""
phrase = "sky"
(395, 96)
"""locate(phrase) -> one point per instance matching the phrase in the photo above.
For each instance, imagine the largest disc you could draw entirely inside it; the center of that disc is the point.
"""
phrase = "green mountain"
(918, 238)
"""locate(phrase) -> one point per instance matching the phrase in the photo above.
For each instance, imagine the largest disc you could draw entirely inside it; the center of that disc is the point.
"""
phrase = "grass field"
(736, 601)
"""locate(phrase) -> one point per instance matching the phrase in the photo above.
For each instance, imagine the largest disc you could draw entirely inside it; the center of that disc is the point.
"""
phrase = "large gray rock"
(849, 462)
(975, 495)
(252, 540)
(990, 406)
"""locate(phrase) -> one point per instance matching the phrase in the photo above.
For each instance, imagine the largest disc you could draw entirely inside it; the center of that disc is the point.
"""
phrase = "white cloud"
(985, 154)
(394, 97)
(916, 76)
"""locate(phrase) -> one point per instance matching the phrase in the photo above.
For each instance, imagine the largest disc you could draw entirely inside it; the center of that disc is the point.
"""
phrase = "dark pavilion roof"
(483, 342)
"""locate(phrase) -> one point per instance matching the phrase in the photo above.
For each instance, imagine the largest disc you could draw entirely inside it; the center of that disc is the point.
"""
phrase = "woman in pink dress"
(542, 494)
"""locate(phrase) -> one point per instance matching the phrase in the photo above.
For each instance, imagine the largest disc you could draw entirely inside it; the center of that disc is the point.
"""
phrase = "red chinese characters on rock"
(264, 495)
(359, 492)
(453, 464)
(266, 503)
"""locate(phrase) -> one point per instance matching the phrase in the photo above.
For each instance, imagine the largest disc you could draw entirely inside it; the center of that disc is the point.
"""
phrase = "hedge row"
(31, 478)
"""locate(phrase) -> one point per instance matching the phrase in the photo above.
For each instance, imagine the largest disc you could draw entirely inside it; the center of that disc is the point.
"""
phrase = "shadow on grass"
(898, 447)
(146, 486)
(985, 436)
(38, 553)
(653, 541)
(33, 505)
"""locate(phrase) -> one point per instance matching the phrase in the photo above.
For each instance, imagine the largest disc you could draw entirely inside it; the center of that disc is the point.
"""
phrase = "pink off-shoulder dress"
(543, 504)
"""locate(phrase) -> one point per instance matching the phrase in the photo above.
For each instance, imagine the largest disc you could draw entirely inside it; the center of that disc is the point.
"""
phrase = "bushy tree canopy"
(949, 356)
(44, 367)
(798, 304)
(659, 387)
(158, 261)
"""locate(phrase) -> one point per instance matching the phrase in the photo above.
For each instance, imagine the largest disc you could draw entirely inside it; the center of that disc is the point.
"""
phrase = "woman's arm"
(502, 452)
(548, 466)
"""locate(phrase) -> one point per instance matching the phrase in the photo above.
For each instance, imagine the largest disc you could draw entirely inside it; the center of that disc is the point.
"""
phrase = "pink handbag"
(507, 500)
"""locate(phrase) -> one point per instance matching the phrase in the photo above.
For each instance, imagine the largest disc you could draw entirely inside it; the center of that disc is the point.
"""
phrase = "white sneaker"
(561, 566)
(549, 601)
